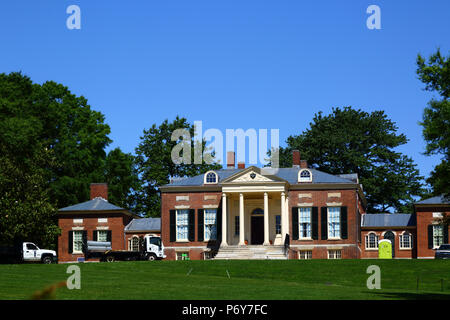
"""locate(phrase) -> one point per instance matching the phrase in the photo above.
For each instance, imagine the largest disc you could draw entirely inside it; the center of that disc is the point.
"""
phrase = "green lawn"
(264, 279)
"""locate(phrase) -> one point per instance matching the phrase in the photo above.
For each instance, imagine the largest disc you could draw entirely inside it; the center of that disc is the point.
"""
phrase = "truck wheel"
(110, 259)
(47, 260)
(151, 257)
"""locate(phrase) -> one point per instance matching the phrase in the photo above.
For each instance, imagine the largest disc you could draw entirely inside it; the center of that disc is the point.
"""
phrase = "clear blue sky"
(232, 64)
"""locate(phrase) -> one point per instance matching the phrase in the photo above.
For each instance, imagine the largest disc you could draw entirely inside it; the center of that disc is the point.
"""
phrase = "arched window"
(406, 240)
(371, 241)
(211, 177)
(133, 244)
(304, 175)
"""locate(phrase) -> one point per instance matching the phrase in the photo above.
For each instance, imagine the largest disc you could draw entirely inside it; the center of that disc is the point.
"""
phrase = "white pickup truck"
(27, 252)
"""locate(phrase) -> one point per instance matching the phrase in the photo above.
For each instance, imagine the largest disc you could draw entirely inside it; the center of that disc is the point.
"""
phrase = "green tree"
(435, 73)
(155, 165)
(26, 211)
(121, 174)
(77, 135)
(52, 147)
(354, 141)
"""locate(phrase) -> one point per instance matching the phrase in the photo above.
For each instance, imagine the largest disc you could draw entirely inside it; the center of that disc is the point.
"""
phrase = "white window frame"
(74, 241)
(401, 240)
(104, 233)
(179, 253)
(335, 254)
(303, 179)
(339, 223)
(300, 234)
(206, 175)
(205, 237)
(185, 211)
(277, 225)
(305, 254)
(441, 236)
(368, 246)
(131, 243)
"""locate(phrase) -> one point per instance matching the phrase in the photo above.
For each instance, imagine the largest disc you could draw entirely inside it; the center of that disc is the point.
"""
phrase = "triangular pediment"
(252, 175)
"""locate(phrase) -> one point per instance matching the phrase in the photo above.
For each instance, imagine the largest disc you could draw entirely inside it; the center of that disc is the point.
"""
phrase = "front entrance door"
(257, 230)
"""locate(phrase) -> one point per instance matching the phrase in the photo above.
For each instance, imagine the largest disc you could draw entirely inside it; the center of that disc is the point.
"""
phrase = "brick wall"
(196, 201)
(369, 253)
(320, 198)
(424, 219)
(348, 247)
(116, 223)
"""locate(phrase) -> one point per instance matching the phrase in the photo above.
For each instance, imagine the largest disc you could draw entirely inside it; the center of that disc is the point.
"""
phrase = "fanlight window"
(304, 176)
(211, 177)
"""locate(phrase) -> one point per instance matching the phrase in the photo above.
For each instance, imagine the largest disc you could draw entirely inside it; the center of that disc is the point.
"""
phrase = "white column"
(283, 216)
(241, 220)
(286, 214)
(224, 220)
(266, 219)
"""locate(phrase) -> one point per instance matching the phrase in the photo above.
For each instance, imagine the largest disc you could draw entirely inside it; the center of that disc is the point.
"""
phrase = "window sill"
(304, 239)
(334, 239)
(371, 249)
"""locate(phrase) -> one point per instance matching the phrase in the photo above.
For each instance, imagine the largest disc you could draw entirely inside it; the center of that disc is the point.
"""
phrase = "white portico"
(254, 208)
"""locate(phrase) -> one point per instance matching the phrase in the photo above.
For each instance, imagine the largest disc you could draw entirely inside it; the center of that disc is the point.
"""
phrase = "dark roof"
(288, 174)
(97, 204)
(388, 220)
(434, 200)
(144, 224)
(198, 180)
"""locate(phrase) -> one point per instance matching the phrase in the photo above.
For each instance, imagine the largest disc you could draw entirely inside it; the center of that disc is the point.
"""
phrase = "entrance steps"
(251, 252)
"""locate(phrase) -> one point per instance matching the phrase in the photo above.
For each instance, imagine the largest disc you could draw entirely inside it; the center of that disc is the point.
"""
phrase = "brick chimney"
(230, 160)
(99, 190)
(241, 165)
(303, 164)
(295, 158)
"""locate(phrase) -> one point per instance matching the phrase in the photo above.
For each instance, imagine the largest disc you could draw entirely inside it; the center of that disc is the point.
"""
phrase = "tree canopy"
(435, 74)
(355, 141)
(52, 147)
(155, 164)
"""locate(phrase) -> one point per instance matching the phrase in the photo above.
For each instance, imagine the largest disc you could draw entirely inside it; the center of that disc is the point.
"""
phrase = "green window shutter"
(430, 236)
(70, 241)
(324, 223)
(84, 241)
(200, 226)
(219, 224)
(109, 236)
(294, 223)
(173, 231)
(344, 224)
(315, 223)
(94, 235)
(191, 226)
